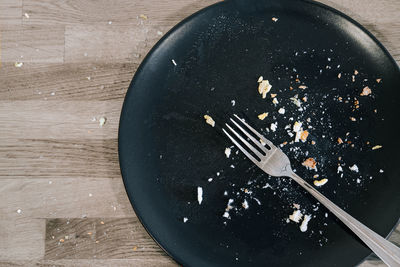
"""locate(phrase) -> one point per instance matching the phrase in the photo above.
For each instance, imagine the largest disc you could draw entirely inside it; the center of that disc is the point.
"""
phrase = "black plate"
(167, 150)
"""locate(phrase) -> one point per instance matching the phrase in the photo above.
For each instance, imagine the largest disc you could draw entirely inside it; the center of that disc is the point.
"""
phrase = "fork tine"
(253, 159)
(252, 148)
(269, 143)
(255, 141)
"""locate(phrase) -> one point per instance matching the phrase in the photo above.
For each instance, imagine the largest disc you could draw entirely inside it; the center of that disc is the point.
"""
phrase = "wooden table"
(62, 200)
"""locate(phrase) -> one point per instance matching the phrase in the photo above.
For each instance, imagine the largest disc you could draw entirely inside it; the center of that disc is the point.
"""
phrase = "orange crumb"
(290, 88)
(378, 80)
(355, 72)
(339, 140)
(134, 248)
(89, 233)
(297, 80)
(366, 91)
(352, 119)
(62, 240)
(101, 222)
(310, 163)
(367, 142)
(340, 98)
(304, 135)
(349, 142)
(302, 87)
(313, 142)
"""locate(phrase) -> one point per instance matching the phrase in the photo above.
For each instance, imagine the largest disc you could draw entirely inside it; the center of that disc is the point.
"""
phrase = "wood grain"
(70, 82)
(33, 44)
(64, 198)
(98, 238)
(59, 173)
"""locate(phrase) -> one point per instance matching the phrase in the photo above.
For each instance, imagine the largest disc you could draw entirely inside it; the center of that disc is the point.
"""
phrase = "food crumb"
(233, 102)
(320, 182)
(358, 181)
(262, 116)
(310, 163)
(274, 126)
(26, 15)
(274, 19)
(273, 95)
(378, 80)
(296, 216)
(281, 111)
(245, 204)
(376, 147)
(185, 219)
(355, 72)
(339, 75)
(102, 121)
(227, 152)
(142, 16)
(174, 62)
(302, 87)
(199, 194)
(381, 171)
(264, 87)
(354, 168)
(339, 140)
(366, 91)
(275, 101)
(209, 120)
(296, 206)
(352, 118)
(19, 211)
(304, 224)
(304, 135)
(18, 64)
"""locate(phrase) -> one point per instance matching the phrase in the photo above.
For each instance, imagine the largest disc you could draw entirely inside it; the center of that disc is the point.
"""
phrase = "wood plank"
(40, 81)
(100, 238)
(59, 119)
(10, 14)
(53, 158)
(110, 43)
(64, 198)
(76, 12)
(21, 238)
(33, 44)
(142, 262)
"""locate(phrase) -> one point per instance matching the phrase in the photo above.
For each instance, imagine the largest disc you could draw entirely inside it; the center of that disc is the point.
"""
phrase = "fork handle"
(384, 249)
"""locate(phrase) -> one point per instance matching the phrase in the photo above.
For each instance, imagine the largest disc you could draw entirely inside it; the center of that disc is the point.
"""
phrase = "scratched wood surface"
(62, 201)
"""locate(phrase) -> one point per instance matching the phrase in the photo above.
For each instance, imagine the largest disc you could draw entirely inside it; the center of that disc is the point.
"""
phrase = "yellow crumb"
(302, 87)
(263, 115)
(209, 120)
(376, 147)
(142, 16)
(273, 95)
(264, 87)
(134, 248)
(320, 182)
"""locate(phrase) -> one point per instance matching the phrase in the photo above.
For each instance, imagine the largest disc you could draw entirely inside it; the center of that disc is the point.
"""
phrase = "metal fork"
(274, 162)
